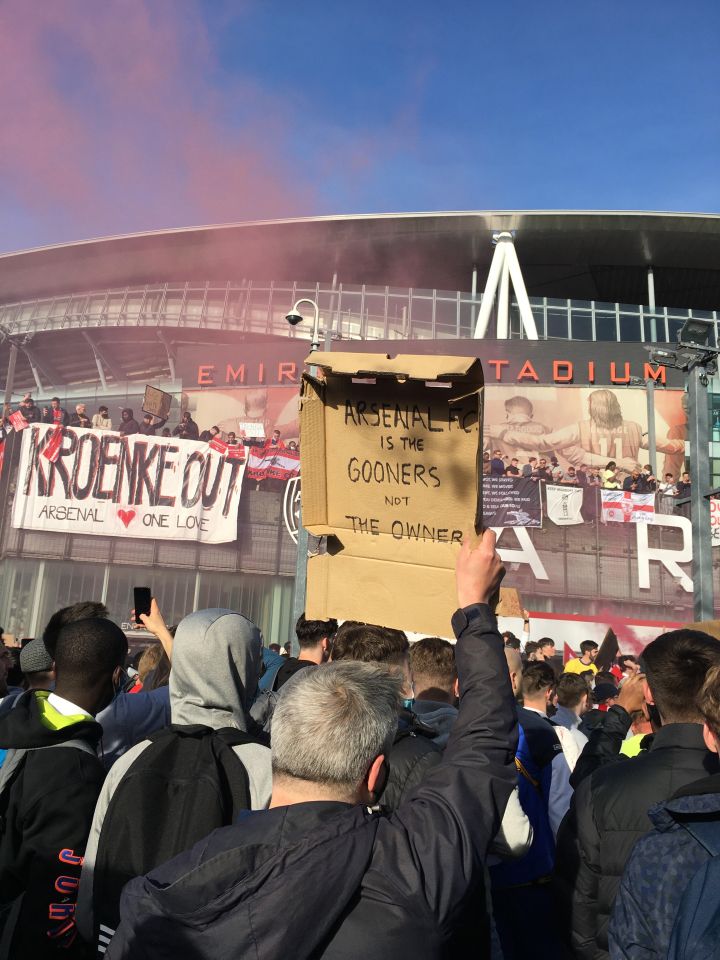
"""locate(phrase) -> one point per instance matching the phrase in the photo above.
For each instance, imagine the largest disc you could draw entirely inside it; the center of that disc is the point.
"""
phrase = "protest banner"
(511, 502)
(390, 454)
(564, 504)
(104, 484)
(622, 506)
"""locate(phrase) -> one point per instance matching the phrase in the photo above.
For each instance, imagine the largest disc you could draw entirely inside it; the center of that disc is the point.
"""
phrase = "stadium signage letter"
(105, 484)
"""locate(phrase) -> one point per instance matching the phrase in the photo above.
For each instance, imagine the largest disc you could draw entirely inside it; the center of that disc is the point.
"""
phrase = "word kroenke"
(105, 484)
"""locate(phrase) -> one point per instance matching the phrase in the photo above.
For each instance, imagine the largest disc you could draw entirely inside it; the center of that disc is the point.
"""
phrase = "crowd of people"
(368, 797)
(670, 492)
(148, 425)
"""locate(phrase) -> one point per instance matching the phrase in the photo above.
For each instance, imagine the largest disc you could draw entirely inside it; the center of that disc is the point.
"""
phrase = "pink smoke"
(111, 113)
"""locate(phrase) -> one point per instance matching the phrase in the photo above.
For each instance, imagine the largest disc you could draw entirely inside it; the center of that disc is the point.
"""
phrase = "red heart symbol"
(127, 516)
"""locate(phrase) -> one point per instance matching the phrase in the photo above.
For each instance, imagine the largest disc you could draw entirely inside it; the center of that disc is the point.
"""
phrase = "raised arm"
(453, 815)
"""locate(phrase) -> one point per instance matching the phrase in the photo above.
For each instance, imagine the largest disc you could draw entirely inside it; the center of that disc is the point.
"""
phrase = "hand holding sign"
(479, 570)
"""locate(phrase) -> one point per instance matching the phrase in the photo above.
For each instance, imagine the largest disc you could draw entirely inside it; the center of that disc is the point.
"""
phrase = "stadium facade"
(200, 313)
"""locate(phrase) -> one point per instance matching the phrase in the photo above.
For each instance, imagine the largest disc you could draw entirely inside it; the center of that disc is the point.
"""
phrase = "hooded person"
(128, 423)
(216, 664)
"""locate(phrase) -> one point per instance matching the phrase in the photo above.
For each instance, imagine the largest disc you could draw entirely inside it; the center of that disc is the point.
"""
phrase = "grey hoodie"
(216, 663)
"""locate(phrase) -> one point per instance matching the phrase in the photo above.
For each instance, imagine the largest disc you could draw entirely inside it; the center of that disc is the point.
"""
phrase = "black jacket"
(150, 429)
(46, 810)
(187, 430)
(368, 885)
(609, 813)
(412, 756)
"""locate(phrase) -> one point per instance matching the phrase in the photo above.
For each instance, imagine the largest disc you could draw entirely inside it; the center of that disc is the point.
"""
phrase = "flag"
(622, 506)
(608, 648)
(18, 421)
(568, 653)
(2, 454)
(564, 504)
(273, 463)
(52, 447)
(218, 445)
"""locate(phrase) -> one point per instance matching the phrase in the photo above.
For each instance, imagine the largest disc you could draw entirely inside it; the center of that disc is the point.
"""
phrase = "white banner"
(564, 504)
(136, 486)
(622, 506)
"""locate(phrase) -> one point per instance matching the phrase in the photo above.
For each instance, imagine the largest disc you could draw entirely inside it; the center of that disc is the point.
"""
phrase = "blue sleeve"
(130, 718)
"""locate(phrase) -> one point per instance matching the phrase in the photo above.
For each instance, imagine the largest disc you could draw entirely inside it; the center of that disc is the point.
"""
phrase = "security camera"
(294, 318)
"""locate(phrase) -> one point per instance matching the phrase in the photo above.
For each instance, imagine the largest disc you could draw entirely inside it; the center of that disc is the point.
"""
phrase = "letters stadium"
(560, 307)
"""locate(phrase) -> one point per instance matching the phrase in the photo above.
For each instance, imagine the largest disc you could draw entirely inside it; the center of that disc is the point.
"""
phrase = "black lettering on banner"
(140, 476)
(208, 499)
(35, 465)
(186, 499)
(105, 460)
(235, 466)
(124, 468)
(164, 463)
(58, 469)
(91, 443)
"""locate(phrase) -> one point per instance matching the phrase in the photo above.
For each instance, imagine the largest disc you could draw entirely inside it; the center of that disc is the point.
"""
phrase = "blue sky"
(158, 113)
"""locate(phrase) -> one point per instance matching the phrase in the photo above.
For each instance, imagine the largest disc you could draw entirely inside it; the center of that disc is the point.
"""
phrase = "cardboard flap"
(312, 455)
(402, 366)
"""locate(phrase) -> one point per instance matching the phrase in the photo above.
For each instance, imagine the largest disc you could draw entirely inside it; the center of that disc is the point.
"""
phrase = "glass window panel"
(398, 311)
(557, 321)
(114, 304)
(581, 325)
(468, 317)
(445, 318)
(605, 328)
(173, 303)
(630, 328)
(57, 310)
(374, 316)
(421, 317)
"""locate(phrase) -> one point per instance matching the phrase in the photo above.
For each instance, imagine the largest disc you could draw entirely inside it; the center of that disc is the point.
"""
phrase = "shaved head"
(514, 662)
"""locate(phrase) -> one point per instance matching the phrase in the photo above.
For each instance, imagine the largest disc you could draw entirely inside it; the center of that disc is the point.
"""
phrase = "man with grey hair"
(359, 883)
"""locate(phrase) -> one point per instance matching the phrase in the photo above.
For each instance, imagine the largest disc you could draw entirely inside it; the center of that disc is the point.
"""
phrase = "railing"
(348, 311)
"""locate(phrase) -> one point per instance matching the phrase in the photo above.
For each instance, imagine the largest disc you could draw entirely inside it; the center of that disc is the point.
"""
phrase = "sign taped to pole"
(103, 484)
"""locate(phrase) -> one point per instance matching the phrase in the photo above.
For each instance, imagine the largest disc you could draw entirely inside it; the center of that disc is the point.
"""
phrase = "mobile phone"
(143, 598)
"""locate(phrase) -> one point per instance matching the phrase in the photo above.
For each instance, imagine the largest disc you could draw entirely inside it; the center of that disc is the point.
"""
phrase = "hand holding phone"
(143, 599)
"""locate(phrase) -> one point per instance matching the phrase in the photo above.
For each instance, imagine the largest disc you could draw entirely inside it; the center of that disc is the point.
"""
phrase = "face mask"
(408, 703)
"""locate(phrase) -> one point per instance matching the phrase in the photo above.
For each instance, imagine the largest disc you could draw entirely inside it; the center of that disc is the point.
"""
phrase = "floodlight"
(695, 332)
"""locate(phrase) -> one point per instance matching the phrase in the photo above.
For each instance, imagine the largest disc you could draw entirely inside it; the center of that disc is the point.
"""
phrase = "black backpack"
(184, 785)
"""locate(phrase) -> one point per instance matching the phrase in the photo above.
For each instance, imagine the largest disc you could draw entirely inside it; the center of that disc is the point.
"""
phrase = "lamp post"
(698, 361)
(294, 317)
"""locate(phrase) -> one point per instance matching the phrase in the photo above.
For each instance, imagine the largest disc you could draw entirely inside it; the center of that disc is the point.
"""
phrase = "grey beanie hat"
(34, 657)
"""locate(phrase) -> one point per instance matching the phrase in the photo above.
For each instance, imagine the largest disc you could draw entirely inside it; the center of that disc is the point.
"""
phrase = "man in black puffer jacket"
(413, 753)
(609, 811)
(361, 884)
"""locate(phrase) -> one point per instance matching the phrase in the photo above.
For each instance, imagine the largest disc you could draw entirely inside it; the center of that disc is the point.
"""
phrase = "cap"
(34, 657)
(603, 692)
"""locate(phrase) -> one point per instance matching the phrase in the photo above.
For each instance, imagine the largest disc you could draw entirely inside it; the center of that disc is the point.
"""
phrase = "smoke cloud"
(117, 117)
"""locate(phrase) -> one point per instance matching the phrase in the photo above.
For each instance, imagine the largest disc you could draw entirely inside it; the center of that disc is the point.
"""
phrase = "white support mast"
(504, 270)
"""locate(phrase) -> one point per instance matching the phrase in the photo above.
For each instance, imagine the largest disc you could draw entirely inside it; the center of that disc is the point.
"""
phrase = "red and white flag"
(52, 448)
(18, 421)
(622, 506)
(273, 463)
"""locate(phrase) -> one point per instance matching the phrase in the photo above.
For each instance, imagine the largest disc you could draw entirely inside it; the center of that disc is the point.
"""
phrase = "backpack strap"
(705, 832)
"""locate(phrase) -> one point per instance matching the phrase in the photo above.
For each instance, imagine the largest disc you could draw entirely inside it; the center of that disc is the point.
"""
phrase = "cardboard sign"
(157, 402)
(390, 451)
(251, 429)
